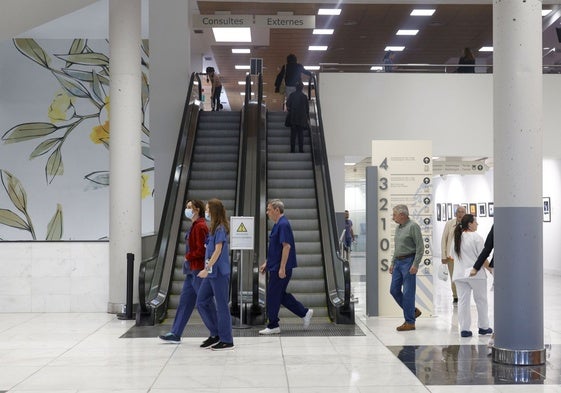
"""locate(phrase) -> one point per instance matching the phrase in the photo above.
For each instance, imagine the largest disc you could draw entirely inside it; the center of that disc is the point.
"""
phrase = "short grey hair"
(401, 209)
(277, 204)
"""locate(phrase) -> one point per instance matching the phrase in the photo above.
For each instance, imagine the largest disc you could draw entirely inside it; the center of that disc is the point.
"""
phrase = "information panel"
(404, 177)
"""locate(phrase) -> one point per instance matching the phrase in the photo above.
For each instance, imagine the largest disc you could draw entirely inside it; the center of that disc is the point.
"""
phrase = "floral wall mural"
(55, 137)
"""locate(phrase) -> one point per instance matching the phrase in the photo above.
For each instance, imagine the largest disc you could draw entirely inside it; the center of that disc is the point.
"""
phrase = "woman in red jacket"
(194, 262)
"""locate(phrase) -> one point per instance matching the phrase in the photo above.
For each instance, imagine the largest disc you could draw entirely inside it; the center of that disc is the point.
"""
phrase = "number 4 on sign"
(384, 164)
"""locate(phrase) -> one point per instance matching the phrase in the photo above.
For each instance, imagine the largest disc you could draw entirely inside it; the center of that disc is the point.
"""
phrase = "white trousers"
(464, 289)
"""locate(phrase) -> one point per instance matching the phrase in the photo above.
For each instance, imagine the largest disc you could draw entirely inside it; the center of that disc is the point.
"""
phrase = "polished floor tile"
(94, 353)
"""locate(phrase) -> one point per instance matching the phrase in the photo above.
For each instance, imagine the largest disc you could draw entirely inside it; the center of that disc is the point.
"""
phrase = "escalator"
(213, 175)
(290, 177)
(302, 182)
(205, 166)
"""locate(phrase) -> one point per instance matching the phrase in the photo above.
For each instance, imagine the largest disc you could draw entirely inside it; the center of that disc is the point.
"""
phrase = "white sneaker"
(308, 318)
(268, 331)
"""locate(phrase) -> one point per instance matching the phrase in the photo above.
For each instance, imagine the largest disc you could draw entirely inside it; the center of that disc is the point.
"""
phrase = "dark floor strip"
(287, 330)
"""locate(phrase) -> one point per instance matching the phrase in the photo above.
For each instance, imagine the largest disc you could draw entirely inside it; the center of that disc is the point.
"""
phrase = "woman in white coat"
(467, 247)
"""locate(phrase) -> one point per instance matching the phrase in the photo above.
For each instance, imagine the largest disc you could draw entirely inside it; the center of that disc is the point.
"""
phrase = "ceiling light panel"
(232, 34)
(323, 31)
(318, 47)
(394, 48)
(406, 32)
(329, 11)
(311, 68)
(486, 49)
(422, 12)
(241, 50)
(241, 67)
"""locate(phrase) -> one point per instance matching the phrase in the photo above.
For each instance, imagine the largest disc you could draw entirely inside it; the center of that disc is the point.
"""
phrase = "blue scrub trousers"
(217, 320)
(277, 296)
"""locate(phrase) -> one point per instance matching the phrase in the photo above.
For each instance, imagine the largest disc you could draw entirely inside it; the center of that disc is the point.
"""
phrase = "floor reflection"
(471, 365)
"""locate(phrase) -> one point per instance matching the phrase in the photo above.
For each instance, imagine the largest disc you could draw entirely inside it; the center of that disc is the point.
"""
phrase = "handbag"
(287, 120)
(443, 272)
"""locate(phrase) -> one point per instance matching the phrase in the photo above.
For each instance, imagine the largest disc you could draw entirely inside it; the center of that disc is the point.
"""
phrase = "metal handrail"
(419, 68)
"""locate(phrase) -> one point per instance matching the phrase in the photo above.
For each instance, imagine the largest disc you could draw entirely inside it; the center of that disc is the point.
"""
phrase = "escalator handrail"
(183, 152)
(321, 162)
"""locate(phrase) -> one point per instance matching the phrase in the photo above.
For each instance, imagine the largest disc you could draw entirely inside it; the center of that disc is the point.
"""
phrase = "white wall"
(54, 276)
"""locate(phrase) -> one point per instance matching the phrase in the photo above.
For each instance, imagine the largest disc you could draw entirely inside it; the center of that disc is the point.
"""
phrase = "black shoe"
(455, 300)
(210, 341)
(417, 313)
(221, 346)
(170, 338)
(485, 331)
(466, 333)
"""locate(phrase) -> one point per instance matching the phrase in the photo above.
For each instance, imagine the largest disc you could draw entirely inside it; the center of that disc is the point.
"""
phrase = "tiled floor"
(90, 353)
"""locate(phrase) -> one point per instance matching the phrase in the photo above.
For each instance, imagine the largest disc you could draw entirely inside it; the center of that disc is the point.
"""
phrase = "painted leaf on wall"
(78, 46)
(44, 147)
(15, 191)
(54, 229)
(26, 131)
(73, 87)
(88, 59)
(11, 219)
(54, 166)
(31, 49)
(98, 177)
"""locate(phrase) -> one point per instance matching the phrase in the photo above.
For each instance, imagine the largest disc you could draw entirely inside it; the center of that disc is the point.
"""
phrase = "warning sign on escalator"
(241, 233)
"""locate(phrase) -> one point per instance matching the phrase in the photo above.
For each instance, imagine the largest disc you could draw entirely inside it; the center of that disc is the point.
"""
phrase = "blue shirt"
(222, 264)
(281, 233)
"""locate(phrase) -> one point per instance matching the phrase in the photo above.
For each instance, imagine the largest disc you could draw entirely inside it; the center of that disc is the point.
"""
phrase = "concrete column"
(517, 38)
(125, 153)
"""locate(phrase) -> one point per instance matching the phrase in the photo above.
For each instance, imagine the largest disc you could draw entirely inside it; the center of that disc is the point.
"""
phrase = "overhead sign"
(270, 21)
(459, 167)
(242, 233)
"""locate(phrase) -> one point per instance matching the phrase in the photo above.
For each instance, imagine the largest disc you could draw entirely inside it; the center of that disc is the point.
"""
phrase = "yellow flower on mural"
(61, 108)
(100, 133)
(145, 188)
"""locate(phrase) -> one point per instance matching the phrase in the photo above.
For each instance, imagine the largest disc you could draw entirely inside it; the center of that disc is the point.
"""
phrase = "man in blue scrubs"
(281, 259)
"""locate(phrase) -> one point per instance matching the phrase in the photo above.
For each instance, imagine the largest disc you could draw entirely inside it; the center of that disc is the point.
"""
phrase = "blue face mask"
(207, 216)
(189, 213)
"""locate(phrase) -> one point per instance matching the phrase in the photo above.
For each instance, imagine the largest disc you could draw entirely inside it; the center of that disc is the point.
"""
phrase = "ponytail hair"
(461, 228)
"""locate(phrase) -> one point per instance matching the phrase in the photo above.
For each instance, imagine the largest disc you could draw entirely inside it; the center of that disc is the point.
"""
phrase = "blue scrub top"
(281, 233)
(222, 265)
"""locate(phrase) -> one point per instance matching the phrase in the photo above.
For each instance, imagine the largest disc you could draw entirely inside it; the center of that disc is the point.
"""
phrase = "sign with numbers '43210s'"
(404, 177)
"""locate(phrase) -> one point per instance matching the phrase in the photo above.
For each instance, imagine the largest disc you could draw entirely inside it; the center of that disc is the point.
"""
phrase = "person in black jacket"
(298, 116)
(292, 74)
(467, 62)
(487, 248)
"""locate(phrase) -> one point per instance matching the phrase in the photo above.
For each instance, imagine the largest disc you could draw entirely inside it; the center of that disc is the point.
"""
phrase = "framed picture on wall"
(546, 209)
(465, 206)
(438, 213)
(455, 207)
(473, 209)
(449, 211)
(443, 212)
(482, 209)
(491, 209)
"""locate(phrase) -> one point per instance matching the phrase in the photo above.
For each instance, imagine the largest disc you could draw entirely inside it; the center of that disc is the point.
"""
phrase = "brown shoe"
(417, 313)
(406, 326)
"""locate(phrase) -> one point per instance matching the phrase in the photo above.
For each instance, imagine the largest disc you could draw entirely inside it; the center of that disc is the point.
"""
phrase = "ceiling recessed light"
(311, 68)
(241, 67)
(406, 32)
(240, 50)
(317, 47)
(323, 31)
(486, 49)
(394, 48)
(242, 83)
(350, 163)
(546, 12)
(329, 11)
(422, 12)
(376, 68)
(232, 34)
